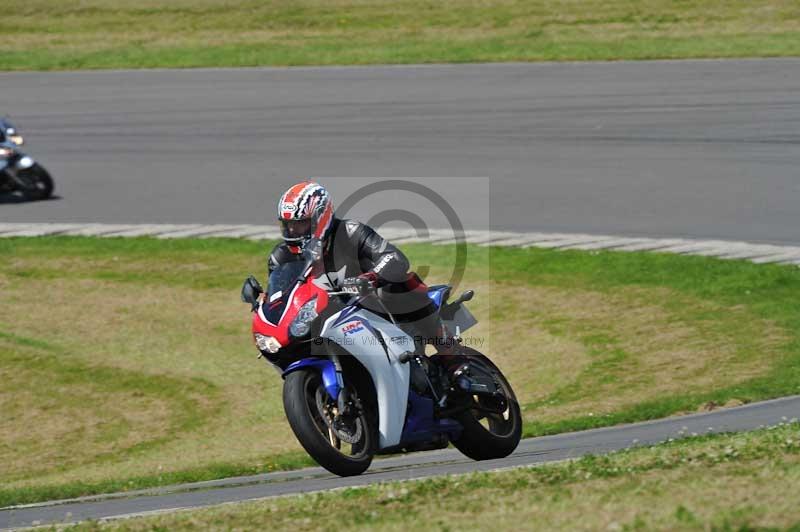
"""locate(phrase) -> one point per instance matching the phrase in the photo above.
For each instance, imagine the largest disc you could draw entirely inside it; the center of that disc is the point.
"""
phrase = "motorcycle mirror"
(251, 289)
(463, 298)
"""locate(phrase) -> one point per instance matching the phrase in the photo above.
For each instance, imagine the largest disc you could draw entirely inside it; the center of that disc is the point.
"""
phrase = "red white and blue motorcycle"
(355, 382)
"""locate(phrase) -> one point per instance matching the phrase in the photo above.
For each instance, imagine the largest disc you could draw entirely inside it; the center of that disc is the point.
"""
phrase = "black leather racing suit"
(353, 248)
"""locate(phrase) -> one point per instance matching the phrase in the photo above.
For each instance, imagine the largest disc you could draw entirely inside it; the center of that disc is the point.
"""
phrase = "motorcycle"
(356, 383)
(18, 171)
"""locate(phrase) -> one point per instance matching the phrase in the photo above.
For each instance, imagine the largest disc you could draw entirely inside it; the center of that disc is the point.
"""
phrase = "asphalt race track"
(413, 466)
(705, 149)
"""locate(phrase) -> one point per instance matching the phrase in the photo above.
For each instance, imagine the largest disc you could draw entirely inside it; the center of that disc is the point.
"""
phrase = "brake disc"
(348, 434)
(340, 427)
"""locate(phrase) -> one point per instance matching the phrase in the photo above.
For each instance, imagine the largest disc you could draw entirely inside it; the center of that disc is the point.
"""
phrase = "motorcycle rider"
(357, 257)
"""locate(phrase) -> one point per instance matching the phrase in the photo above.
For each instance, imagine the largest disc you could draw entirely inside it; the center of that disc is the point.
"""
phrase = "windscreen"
(283, 278)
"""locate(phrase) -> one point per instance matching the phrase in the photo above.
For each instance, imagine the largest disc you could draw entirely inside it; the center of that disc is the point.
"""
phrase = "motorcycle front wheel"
(344, 445)
(40, 183)
(492, 427)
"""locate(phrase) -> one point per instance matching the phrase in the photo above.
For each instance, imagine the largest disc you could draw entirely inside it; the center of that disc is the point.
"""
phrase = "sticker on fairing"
(352, 328)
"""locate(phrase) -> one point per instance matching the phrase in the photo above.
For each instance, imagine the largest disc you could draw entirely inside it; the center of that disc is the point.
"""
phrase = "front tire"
(487, 436)
(40, 181)
(308, 409)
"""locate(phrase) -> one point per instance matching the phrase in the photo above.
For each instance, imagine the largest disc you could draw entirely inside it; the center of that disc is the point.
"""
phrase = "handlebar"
(371, 291)
(353, 292)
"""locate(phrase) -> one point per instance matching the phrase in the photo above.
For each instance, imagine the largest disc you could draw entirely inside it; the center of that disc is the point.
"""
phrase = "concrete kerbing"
(758, 253)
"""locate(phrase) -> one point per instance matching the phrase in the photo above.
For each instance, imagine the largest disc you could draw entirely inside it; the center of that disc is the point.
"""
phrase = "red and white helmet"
(305, 211)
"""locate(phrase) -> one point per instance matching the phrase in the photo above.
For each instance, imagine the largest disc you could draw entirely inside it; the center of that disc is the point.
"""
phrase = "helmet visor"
(297, 229)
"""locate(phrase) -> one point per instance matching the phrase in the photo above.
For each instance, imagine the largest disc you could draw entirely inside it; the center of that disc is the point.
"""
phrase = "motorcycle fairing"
(421, 426)
(461, 320)
(438, 294)
(377, 344)
(284, 309)
(330, 379)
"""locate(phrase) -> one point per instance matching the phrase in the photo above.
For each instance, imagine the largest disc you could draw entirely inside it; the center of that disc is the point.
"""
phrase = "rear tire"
(300, 392)
(503, 431)
(41, 181)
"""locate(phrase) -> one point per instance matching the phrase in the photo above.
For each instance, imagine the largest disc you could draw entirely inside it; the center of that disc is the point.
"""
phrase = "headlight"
(17, 139)
(5, 152)
(301, 324)
(267, 343)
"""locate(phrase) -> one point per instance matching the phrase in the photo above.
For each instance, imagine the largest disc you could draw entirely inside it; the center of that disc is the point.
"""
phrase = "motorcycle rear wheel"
(486, 436)
(308, 409)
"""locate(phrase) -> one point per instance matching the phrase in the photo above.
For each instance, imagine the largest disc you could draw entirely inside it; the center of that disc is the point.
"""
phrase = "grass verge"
(726, 482)
(49, 35)
(127, 363)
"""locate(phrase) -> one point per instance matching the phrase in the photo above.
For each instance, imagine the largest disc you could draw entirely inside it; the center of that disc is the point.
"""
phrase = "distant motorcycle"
(18, 171)
(356, 385)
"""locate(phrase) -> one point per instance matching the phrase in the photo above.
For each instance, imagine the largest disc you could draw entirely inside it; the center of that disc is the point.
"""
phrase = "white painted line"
(148, 230)
(548, 240)
(240, 231)
(167, 231)
(433, 234)
(6, 227)
(757, 253)
(697, 246)
(498, 238)
(710, 250)
(611, 243)
(632, 244)
(515, 241)
(270, 234)
(203, 230)
(449, 237)
(570, 241)
(31, 230)
(764, 253)
(480, 237)
(652, 244)
(440, 239)
(726, 250)
(751, 251)
(789, 254)
(99, 229)
(393, 234)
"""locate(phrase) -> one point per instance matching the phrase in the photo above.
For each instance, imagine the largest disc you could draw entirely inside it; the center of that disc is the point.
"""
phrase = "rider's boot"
(449, 352)
(452, 359)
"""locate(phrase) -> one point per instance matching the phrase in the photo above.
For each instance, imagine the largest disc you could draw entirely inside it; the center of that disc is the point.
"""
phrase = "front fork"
(332, 377)
(343, 397)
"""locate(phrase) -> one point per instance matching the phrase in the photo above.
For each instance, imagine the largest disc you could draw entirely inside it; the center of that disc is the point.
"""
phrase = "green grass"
(769, 293)
(742, 481)
(51, 35)
(127, 363)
